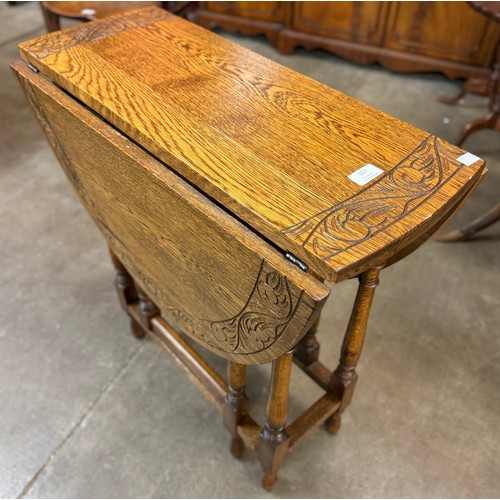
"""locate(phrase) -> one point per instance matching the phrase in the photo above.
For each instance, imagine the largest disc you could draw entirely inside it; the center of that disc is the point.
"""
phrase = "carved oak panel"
(386, 202)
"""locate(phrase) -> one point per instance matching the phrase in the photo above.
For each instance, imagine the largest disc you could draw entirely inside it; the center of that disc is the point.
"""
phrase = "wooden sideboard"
(448, 37)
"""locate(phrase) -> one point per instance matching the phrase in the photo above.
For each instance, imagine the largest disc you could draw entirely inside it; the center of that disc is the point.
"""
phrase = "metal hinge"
(295, 260)
(33, 68)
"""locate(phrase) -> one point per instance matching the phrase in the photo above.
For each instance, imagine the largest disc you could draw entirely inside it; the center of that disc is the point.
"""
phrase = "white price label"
(468, 159)
(365, 174)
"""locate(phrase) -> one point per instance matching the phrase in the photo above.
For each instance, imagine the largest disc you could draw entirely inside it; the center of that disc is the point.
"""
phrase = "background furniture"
(53, 12)
(491, 120)
(275, 202)
(449, 37)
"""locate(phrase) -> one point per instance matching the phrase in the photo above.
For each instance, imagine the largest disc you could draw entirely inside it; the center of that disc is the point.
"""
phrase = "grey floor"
(88, 411)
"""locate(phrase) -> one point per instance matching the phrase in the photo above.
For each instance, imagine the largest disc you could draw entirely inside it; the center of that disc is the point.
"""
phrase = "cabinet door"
(264, 11)
(361, 22)
(453, 31)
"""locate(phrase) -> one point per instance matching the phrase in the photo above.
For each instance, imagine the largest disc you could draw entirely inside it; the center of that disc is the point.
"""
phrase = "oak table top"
(272, 147)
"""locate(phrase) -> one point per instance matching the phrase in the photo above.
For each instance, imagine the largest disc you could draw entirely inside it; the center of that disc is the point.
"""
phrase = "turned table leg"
(130, 293)
(124, 284)
(147, 311)
(272, 445)
(236, 405)
(307, 350)
(127, 292)
(343, 379)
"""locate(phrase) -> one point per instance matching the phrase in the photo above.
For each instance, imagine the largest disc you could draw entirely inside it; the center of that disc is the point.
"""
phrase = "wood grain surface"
(220, 283)
(273, 147)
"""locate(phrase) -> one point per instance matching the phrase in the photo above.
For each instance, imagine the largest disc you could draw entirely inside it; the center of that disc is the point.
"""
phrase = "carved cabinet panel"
(447, 30)
(264, 11)
(357, 21)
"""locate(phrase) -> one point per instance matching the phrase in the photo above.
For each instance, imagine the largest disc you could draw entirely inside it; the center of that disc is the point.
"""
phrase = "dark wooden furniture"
(249, 18)
(53, 12)
(491, 120)
(223, 184)
(449, 37)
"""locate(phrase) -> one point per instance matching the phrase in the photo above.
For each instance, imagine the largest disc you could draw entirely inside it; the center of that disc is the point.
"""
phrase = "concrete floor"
(88, 411)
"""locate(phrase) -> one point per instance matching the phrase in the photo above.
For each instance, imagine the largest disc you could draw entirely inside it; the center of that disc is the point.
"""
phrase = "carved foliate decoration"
(269, 309)
(385, 202)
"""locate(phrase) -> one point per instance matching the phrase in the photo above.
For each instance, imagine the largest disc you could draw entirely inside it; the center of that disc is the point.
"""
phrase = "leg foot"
(468, 231)
(332, 424)
(268, 481)
(487, 121)
(286, 45)
(237, 447)
(137, 330)
(453, 100)
(475, 85)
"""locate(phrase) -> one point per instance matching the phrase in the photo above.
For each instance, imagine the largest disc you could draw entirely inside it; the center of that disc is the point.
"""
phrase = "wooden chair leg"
(307, 351)
(469, 231)
(343, 379)
(476, 85)
(489, 121)
(236, 405)
(272, 445)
